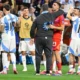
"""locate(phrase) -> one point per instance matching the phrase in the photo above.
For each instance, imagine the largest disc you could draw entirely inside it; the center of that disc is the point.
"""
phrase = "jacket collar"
(44, 12)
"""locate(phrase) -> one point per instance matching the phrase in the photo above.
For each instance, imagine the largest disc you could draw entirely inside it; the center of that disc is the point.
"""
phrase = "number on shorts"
(54, 43)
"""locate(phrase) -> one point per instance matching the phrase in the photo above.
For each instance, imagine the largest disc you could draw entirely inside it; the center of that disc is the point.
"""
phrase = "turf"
(30, 75)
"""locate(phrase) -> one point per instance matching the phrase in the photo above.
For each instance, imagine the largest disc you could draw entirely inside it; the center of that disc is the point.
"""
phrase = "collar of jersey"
(44, 12)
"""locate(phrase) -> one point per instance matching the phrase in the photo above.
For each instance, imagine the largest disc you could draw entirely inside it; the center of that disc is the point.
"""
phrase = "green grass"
(30, 75)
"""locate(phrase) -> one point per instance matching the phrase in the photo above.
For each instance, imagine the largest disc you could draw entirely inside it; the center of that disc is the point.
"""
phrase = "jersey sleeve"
(74, 18)
(15, 18)
(2, 21)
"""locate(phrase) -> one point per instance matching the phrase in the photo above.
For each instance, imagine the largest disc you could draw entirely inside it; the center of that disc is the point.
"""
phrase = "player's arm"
(32, 32)
(61, 22)
(19, 20)
(33, 29)
(69, 13)
(1, 27)
(72, 18)
(56, 27)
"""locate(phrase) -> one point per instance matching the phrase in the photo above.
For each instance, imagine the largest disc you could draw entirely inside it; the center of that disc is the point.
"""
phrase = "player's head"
(45, 7)
(26, 11)
(76, 11)
(56, 6)
(6, 8)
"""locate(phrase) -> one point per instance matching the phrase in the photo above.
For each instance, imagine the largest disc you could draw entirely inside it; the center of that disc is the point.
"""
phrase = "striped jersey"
(76, 28)
(8, 22)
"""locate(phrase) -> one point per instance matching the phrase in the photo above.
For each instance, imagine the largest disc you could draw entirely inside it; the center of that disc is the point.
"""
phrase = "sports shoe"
(57, 73)
(74, 70)
(2, 72)
(78, 73)
(43, 72)
(15, 71)
(71, 72)
(24, 69)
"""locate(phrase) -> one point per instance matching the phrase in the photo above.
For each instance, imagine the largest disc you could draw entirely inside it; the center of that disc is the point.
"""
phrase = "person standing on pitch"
(25, 44)
(8, 43)
(43, 37)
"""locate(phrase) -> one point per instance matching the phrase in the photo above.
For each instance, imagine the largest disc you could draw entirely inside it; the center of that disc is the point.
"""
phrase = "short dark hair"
(76, 2)
(25, 8)
(77, 9)
(45, 7)
(51, 3)
(58, 4)
(7, 7)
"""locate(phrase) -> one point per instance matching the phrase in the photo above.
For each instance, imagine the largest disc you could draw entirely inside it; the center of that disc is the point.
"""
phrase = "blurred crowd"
(35, 5)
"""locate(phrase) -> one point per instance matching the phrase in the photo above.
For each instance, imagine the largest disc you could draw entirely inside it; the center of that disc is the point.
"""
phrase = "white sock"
(8, 63)
(44, 62)
(4, 61)
(54, 66)
(24, 61)
(34, 62)
(13, 59)
(70, 67)
(78, 69)
(74, 69)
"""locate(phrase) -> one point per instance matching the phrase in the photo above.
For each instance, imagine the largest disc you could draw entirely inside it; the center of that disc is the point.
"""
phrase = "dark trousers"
(1, 66)
(43, 43)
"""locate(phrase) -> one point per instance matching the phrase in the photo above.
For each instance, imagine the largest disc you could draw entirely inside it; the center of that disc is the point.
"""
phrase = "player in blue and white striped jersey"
(74, 47)
(8, 44)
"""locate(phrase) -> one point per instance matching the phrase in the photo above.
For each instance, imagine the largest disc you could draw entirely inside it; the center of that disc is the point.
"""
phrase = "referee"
(43, 37)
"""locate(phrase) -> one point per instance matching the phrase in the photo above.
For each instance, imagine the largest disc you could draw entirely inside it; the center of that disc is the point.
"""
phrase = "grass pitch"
(30, 74)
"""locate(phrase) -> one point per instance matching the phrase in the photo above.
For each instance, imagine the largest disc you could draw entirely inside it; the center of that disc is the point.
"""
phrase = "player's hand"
(21, 14)
(71, 9)
(31, 42)
(32, 10)
(51, 26)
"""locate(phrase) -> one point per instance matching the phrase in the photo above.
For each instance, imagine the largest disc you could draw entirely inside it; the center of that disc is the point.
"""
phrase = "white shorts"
(8, 45)
(74, 47)
(24, 45)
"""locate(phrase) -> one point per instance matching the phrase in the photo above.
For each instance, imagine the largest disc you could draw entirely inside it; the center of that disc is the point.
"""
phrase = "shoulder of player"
(61, 16)
(74, 18)
(13, 15)
(3, 18)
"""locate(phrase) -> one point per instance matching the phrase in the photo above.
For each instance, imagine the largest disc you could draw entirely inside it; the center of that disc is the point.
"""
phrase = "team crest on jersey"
(27, 25)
